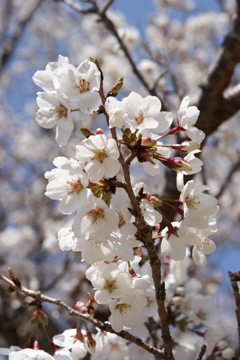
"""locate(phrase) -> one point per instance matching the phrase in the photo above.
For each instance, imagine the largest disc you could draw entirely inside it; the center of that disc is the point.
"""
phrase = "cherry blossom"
(101, 155)
(195, 167)
(187, 117)
(44, 78)
(141, 111)
(151, 216)
(55, 111)
(197, 207)
(29, 354)
(115, 111)
(72, 340)
(111, 283)
(79, 84)
(128, 311)
(68, 183)
(95, 221)
(173, 244)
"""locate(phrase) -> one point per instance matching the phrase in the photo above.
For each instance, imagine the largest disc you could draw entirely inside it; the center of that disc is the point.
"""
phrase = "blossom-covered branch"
(72, 312)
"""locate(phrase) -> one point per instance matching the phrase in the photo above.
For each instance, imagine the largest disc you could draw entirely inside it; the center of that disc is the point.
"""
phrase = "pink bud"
(177, 164)
(80, 306)
(36, 345)
(147, 141)
(227, 353)
(99, 131)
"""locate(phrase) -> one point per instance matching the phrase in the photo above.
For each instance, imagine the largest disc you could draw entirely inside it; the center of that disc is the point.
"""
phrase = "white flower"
(92, 250)
(205, 310)
(128, 311)
(202, 245)
(123, 243)
(115, 111)
(113, 346)
(44, 78)
(80, 84)
(101, 155)
(71, 340)
(141, 111)
(63, 354)
(151, 216)
(195, 165)
(197, 207)
(214, 334)
(173, 244)
(55, 111)
(96, 221)
(187, 117)
(68, 184)
(30, 354)
(111, 283)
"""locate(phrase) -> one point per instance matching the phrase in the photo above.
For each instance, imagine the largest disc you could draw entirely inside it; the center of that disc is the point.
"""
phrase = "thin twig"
(80, 9)
(235, 277)
(112, 29)
(202, 352)
(97, 323)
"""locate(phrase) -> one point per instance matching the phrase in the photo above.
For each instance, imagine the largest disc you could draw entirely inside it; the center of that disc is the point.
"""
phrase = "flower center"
(100, 155)
(140, 117)
(192, 202)
(60, 111)
(123, 308)
(75, 186)
(110, 285)
(202, 315)
(96, 215)
(121, 220)
(83, 85)
(203, 244)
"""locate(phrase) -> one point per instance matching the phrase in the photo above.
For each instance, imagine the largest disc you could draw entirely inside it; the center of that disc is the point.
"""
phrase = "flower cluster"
(111, 216)
(92, 186)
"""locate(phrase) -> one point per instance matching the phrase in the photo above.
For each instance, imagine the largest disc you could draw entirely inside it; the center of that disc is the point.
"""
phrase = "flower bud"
(36, 345)
(176, 300)
(79, 306)
(147, 141)
(39, 316)
(14, 278)
(116, 88)
(154, 199)
(180, 290)
(99, 131)
(177, 164)
(227, 353)
(186, 146)
(86, 132)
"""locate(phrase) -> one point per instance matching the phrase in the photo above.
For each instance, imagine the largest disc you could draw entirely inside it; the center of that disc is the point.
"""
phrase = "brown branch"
(202, 352)
(235, 277)
(214, 108)
(72, 312)
(155, 263)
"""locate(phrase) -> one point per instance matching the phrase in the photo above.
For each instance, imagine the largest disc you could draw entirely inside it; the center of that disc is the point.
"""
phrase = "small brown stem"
(202, 352)
(235, 277)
